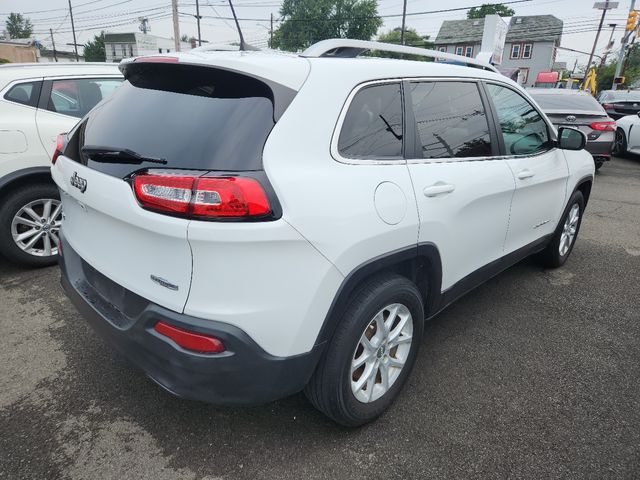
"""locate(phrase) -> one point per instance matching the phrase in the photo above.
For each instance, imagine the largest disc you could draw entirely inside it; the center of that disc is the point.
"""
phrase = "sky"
(90, 16)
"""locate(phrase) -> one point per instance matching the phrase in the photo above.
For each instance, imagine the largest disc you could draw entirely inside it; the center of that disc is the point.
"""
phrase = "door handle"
(524, 174)
(438, 189)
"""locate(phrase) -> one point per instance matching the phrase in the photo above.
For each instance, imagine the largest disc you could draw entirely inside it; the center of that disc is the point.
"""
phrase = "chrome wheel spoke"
(25, 221)
(56, 213)
(33, 240)
(28, 234)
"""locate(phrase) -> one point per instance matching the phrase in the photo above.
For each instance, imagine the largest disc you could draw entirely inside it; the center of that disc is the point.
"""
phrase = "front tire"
(29, 223)
(371, 353)
(559, 248)
(619, 144)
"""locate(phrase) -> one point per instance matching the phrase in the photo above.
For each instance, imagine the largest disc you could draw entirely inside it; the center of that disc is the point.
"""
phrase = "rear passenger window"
(372, 127)
(523, 129)
(25, 93)
(450, 120)
(77, 97)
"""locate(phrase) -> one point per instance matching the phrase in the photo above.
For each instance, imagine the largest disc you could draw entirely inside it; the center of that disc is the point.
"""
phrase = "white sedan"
(627, 135)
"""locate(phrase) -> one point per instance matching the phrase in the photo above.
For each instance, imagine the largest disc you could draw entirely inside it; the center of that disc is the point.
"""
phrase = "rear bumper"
(244, 374)
(601, 147)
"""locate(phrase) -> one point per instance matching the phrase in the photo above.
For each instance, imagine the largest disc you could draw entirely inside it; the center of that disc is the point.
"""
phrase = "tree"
(184, 38)
(309, 21)
(94, 49)
(18, 26)
(490, 9)
(411, 39)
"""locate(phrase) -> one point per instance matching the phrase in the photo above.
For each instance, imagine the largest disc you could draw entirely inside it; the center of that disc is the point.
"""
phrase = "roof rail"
(346, 48)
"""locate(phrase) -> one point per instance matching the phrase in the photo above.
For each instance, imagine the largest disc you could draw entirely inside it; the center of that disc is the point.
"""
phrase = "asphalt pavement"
(536, 374)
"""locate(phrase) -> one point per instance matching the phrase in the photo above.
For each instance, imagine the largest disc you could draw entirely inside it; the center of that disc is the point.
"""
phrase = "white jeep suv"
(37, 102)
(246, 225)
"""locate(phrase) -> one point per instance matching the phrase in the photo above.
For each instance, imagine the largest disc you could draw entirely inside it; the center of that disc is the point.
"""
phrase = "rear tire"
(21, 222)
(619, 148)
(559, 248)
(360, 374)
(599, 164)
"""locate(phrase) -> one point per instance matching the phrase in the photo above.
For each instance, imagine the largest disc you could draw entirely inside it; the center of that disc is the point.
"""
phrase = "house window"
(459, 50)
(515, 50)
(113, 50)
(523, 76)
(159, 50)
(131, 50)
(526, 50)
(124, 50)
(468, 51)
(442, 49)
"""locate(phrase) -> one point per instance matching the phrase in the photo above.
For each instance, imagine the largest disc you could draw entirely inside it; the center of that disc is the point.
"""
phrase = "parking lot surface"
(536, 374)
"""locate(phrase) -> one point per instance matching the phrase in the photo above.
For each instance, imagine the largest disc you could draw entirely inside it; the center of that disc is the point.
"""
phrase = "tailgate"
(141, 251)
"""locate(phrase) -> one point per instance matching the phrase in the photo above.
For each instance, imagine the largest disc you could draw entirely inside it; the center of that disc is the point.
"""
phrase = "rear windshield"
(567, 103)
(620, 96)
(192, 117)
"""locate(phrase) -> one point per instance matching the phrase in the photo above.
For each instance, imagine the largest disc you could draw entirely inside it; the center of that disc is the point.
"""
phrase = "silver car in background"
(578, 109)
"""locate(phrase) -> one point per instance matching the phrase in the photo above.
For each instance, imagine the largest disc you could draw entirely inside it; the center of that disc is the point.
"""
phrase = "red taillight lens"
(202, 197)
(607, 105)
(603, 126)
(196, 342)
(61, 143)
(166, 193)
(229, 197)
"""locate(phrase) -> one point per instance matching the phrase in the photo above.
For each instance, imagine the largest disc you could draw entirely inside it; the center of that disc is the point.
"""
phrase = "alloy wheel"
(35, 227)
(569, 230)
(381, 353)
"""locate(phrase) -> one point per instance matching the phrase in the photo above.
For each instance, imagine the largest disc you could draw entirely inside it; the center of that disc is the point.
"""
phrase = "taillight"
(202, 197)
(157, 59)
(607, 105)
(603, 126)
(196, 342)
(61, 143)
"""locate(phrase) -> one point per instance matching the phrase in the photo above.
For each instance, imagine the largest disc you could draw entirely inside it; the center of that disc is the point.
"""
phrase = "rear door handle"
(524, 174)
(438, 189)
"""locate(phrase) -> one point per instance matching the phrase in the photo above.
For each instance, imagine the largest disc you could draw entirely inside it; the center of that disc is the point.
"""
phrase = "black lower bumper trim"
(244, 374)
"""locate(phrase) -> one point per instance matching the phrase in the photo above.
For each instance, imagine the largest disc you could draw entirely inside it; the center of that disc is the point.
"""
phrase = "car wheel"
(371, 353)
(29, 225)
(619, 144)
(599, 164)
(564, 238)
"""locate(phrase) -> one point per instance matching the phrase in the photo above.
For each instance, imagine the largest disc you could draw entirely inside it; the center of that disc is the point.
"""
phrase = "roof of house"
(538, 28)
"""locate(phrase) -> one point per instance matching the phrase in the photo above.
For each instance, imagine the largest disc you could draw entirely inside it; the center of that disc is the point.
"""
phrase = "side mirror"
(638, 114)
(571, 139)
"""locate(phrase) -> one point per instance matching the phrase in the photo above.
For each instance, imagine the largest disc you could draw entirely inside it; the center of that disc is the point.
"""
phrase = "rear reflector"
(202, 197)
(196, 342)
(61, 143)
(603, 126)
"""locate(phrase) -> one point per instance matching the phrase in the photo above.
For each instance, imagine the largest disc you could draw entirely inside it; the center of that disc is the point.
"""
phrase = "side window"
(372, 127)
(76, 97)
(523, 129)
(25, 93)
(450, 120)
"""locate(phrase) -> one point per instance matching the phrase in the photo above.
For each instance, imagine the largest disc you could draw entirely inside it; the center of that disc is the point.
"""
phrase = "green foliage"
(309, 21)
(631, 72)
(18, 26)
(411, 39)
(94, 49)
(4, 60)
(184, 38)
(489, 9)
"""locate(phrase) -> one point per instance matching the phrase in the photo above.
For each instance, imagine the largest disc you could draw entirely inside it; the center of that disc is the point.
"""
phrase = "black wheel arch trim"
(7, 180)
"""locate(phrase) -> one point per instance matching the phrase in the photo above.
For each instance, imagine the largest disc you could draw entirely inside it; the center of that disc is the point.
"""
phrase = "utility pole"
(198, 18)
(271, 33)
(73, 29)
(55, 55)
(609, 45)
(404, 18)
(623, 48)
(176, 25)
(604, 7)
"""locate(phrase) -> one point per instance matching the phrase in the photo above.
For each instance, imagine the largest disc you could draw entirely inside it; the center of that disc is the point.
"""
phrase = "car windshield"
(567, 102)
(623, 96)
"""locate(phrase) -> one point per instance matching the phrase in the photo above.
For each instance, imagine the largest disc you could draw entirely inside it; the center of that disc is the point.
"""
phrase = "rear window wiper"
(118, 155)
